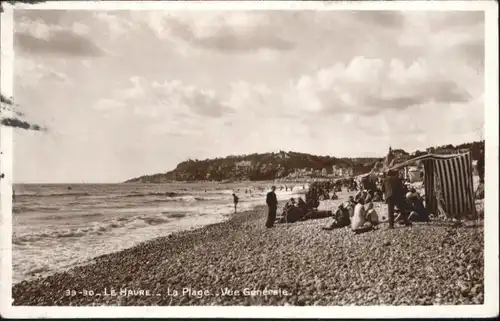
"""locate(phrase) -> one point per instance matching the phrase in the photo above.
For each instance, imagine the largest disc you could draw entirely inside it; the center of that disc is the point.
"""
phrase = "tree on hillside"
(8, 106)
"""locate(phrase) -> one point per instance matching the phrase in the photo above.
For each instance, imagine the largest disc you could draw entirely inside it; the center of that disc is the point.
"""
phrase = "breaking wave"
(26, 209)
(175, 215)
(166, 194)
(53, 195)
(96, 229)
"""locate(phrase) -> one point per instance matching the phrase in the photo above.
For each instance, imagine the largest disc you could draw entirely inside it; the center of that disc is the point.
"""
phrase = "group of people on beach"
(358, 212)
(404, 205)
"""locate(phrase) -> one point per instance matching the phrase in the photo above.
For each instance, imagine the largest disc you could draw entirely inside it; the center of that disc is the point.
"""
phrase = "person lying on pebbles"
(300, 212)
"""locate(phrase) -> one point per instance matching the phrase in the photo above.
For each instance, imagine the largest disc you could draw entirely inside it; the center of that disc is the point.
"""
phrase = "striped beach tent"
(448, 183)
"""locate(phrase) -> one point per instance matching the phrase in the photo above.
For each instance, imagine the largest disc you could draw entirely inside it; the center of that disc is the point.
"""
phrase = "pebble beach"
(240, 262)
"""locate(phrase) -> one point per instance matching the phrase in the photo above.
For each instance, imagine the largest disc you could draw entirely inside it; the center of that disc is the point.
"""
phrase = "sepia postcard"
(249, 159)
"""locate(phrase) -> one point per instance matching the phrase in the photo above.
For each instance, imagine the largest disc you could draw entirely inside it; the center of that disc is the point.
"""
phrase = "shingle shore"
(233, 262)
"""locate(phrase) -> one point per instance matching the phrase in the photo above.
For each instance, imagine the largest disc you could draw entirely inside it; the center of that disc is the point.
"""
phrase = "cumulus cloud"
(446, 34)
(115, 23)
(385, 18)
(363, 86)
(171, 97)
(58, 42)
(237, 32)
(29, 73)
(50, 33)
(183, 82)
(369, 86)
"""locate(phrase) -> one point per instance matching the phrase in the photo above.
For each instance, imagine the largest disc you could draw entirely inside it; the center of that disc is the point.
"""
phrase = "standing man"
(395, 196)
(235, 200)
(272, 203)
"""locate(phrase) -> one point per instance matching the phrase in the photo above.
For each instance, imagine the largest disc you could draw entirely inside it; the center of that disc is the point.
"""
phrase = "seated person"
(301, 204)
(368, 197)
(416, 207)
(406, 188)
(371, 214)
(324, 196)
(342, 216)
(403, 213)
(290, 203)
(412, 194)
(359, 196)
(293, 214)
(334, 196)
(359, 224)
(377, 197)
(313, 203)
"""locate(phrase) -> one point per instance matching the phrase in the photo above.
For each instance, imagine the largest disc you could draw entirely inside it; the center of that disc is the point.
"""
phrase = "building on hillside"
(336, 170)
(341, 171)
(243, 164)
(445, 150)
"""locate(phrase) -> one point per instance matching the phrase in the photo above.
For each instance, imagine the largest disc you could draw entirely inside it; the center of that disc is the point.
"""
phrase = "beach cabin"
(448, 183)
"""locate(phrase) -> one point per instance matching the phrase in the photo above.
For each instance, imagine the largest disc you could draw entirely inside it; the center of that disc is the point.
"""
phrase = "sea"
(59, 226)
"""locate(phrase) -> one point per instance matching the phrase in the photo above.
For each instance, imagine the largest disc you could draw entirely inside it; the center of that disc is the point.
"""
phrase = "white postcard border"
(490, 306)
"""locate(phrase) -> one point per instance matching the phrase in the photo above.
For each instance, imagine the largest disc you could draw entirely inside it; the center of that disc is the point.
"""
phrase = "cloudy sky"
(130, 93)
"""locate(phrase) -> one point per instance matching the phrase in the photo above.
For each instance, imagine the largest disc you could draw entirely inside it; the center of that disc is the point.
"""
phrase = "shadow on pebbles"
(238, 261)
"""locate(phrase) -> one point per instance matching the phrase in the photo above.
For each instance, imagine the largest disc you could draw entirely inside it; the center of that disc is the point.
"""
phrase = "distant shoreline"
(281, 180)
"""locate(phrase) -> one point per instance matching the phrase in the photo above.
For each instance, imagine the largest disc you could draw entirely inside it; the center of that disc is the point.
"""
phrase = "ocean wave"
(53, 195)
(167, 194)
(68, 233)
(95, 229)
(21, 209)
(155, 220)
(214, 198)
(38, 270)
(27, 209)
(175, 215)
(88, 215)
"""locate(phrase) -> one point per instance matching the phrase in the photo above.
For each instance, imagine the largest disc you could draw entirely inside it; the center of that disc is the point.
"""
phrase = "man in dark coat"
(395, 196)
(272, 203)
